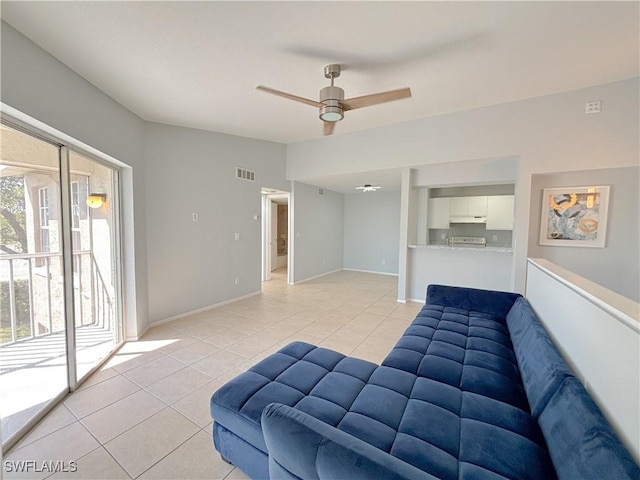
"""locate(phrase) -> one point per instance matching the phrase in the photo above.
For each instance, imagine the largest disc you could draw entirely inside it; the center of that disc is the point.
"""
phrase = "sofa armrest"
(308, 448)
(471, 299)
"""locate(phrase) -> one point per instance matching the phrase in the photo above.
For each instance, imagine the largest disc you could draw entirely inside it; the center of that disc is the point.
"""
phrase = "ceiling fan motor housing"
(332, 110)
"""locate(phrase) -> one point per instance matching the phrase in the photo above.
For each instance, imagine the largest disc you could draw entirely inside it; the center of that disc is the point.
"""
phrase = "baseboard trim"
(370, 271)
(203, 309)
(135, 338)
(416, 300)
(317, 276)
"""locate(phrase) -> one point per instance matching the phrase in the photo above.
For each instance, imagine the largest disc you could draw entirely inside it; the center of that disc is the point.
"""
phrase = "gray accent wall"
(616, 265)
(371, 231)
(38, 85)
(317, 235)
(193, 265)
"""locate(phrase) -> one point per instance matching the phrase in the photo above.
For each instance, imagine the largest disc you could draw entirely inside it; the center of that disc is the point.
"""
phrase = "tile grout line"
(169, 453)
(101, 445)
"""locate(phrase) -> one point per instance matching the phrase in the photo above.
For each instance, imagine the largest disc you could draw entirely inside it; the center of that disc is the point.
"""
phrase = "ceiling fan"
(368, 188)
(332, 103)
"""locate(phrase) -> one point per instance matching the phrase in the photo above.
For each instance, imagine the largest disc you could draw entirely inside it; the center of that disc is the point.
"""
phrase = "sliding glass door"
(59, 272)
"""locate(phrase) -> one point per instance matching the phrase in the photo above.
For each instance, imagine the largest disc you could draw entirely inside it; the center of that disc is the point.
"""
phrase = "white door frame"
(273, 235)
(266, 235)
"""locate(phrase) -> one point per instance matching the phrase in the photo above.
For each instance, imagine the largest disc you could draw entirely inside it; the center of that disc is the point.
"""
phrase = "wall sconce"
(95, 200)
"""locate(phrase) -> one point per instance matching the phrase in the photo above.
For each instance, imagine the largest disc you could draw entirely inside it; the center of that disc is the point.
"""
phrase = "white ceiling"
(196, 64)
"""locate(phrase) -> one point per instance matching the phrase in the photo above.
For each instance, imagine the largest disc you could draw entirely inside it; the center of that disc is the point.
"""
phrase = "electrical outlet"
(236, 281)
(195, 217)
(383, 262)
(324, 262)
(593, 107)
(237, 235)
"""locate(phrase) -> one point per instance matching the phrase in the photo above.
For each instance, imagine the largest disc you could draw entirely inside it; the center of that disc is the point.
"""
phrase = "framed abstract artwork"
(574, 216)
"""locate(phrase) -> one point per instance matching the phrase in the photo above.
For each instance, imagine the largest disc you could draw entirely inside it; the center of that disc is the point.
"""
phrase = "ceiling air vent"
(244, 174)
(321, 192)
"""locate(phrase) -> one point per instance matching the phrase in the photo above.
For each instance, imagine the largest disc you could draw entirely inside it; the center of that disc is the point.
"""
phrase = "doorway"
(275, 235)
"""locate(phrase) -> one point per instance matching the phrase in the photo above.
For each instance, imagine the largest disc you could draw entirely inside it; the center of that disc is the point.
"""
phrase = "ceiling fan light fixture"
(331, 114)
(331, 110)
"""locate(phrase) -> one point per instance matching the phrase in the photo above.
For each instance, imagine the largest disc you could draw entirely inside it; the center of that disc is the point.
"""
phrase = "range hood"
(467, 219)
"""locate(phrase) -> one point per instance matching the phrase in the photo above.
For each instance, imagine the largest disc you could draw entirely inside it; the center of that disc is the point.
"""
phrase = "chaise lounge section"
(474, 389)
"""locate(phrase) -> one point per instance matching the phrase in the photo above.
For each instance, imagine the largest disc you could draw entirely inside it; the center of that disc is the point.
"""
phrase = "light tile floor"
(145, 414)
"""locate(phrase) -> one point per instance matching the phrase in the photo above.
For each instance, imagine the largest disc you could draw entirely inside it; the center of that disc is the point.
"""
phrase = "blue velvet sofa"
(474, 389)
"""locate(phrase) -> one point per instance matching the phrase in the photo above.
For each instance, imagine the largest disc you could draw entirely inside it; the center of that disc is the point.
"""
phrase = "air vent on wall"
(321, 192)
(244, 174)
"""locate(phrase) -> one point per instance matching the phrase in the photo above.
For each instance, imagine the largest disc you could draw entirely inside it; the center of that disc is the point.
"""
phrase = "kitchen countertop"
(441, 246)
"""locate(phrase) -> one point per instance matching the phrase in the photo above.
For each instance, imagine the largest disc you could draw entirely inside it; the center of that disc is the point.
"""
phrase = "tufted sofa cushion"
(467, 408)
(471, 351)
(315, 380)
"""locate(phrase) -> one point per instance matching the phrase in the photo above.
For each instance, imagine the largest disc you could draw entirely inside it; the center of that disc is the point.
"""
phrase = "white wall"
(473, 268)
(317, 236)
(468, 172)
(616, 265)
(38, 85)
(547, 134)
(371, 226)
(193, 265)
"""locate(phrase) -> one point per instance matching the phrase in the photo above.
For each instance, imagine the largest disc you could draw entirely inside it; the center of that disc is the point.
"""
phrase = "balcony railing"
(31, 286)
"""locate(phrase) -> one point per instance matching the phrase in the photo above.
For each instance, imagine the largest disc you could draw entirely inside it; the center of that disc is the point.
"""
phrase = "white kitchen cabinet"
(477, 206)
(438, 213)
(458, 206)
(500, 212)
(468, 206)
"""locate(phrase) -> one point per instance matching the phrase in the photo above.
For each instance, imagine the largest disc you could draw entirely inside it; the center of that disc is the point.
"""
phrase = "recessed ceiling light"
(368, 187)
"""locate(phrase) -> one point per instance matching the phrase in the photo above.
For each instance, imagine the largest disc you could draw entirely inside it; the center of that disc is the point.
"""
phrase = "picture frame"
(574, 216)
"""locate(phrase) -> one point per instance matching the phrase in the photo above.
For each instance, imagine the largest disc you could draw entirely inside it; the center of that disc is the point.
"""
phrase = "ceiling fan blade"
(328, 127)
(375, 98)
(313, 103)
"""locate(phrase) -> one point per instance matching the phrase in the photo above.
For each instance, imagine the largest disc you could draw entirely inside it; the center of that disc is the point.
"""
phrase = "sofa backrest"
(541, 366)
(581, 442)
(495, 303)
(301, 446)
